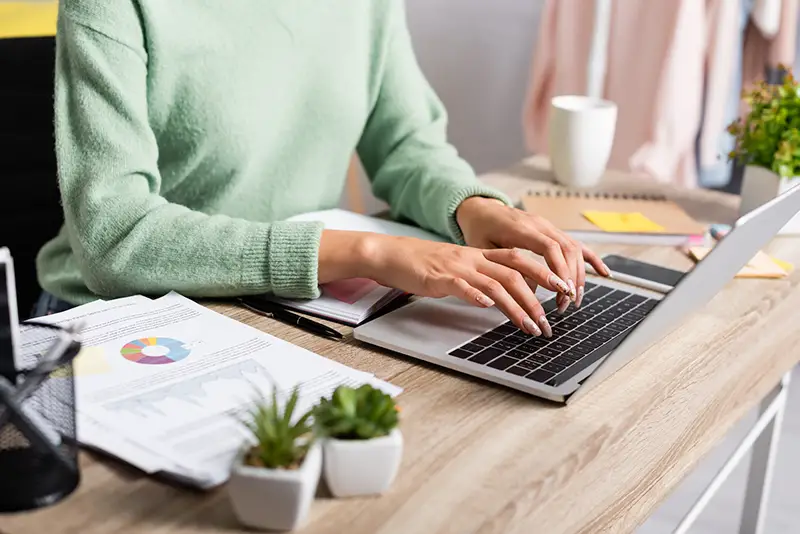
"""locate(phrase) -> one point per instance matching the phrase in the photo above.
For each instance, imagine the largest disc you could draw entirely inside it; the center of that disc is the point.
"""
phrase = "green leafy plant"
(356, 414)
(769, 136)
(280, 443)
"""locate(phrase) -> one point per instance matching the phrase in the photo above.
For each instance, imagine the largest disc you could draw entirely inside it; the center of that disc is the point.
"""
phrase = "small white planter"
(274, 499)
(759, 186)
(362, 467)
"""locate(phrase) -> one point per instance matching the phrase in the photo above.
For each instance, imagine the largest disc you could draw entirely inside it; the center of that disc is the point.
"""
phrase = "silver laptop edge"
(429, 328)
(752, 232)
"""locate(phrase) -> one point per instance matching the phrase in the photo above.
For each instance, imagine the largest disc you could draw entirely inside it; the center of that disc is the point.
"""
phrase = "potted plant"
(362, 445)
(768, 143)
(275, 475)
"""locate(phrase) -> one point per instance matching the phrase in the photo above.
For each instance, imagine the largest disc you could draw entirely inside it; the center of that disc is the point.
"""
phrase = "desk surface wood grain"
(483, 459)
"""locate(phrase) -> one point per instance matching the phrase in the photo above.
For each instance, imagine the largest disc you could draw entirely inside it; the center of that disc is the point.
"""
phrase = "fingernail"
(563, 305)
(545, 326)
(572, 293)
(530, 327)
(608, 271)
(580, 297)
(559, 283)
(484, 301)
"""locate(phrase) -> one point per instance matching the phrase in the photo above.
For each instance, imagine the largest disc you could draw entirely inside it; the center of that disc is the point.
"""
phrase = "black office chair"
(30, 213)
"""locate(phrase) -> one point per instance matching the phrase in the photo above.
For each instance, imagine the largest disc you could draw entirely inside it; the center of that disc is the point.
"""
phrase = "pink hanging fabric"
(659, 54)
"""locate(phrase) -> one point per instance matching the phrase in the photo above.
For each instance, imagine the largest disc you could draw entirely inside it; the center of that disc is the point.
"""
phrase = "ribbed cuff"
(458, 196)
(293, 255)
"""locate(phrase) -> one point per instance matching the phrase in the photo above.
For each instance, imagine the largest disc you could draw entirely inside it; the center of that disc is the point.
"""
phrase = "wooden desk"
(482, 459)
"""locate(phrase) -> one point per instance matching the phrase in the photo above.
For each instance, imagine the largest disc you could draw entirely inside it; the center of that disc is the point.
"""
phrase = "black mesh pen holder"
(38, 443)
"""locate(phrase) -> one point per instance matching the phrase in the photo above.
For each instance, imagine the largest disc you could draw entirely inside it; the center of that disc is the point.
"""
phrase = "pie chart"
(154, 350)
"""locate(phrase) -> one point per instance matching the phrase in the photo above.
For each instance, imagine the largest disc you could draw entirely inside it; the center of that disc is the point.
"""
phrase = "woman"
(187, 131)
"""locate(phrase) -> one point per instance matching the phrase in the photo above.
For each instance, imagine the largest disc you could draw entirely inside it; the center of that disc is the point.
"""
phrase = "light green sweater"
(187, 130)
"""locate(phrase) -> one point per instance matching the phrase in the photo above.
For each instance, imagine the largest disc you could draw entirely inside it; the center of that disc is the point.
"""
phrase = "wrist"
(344, 255)
(471, 208)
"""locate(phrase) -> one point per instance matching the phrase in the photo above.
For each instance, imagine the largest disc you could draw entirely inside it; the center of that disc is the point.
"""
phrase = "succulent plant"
(769, 136)
(279, 442)
(356, 414)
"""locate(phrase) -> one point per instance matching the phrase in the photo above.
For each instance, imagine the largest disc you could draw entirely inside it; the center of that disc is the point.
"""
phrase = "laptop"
(615, 324)
(9, 327)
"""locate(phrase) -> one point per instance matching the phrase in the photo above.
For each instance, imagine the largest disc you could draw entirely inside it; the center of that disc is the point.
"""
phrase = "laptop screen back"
(8, 317)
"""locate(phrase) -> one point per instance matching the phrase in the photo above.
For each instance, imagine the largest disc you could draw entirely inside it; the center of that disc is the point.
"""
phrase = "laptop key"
(517, 354)
(560, 330)
(538, 358)
(577, 335)
(519, 371)
(594, 309)
(505, 329)
(472, 347)
(460, 353)
(593, 326)
(553, 367)
(626, 321)
(601, 291)
(528, 364)
(605, 334)
(617, 295)
(588, 286)
(616, 327)
(519, 338)
(547, 351)
(486, 355)
(482, 342)
(494, 336)
(533, 344)
(563, 360)
(502, 363)
(573, 322)
(583, 316)
(637, 299)
(541, 376)
(571, 340)
(504, 345)
(559, 346)
(592, 342)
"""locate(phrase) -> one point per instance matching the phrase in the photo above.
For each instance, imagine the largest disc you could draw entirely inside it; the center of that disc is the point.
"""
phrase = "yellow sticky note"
(91, 361)
(610, 221)
(785, 265)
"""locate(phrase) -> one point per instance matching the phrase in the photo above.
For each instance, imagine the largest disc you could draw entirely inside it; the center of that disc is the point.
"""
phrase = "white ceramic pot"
(580, 139)
(274, 499)
(759, 186)
(362, 467)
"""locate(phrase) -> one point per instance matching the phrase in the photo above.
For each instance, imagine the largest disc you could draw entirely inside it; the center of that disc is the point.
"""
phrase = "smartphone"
(643, 274)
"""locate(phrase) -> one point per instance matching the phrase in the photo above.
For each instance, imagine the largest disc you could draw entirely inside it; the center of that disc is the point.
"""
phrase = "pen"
(283, 315)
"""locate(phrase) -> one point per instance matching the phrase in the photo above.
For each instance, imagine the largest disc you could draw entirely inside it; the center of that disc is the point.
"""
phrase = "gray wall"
(477, 55)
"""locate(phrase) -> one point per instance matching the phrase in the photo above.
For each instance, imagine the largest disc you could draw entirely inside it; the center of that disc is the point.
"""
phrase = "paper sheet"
(166, 383)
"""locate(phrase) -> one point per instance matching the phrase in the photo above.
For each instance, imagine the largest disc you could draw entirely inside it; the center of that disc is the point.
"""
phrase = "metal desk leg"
(762, 462)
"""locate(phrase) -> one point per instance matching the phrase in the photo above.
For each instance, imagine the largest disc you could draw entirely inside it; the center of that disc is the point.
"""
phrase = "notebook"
(597, 217)
(761, 266)
(353, 301)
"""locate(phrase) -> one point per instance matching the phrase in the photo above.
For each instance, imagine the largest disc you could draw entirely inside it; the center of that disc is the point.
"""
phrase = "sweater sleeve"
(126, 237)
(404, 146)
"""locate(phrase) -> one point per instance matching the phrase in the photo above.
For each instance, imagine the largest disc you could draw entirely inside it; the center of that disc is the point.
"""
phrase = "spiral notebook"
(573, 212)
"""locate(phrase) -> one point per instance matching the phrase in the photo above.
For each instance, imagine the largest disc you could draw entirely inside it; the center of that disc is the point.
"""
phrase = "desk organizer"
(39, 451)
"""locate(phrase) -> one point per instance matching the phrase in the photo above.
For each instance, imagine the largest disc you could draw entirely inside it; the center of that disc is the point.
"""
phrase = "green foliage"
(770, 134)
(280, 444)
(362, 413)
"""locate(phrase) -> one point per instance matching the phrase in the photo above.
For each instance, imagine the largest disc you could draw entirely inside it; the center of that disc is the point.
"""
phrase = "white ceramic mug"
(581, 136)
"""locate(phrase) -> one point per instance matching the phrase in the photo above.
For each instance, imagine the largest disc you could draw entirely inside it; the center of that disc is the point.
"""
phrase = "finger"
(554, 256)
(514, 284)
(504, 302)
(580, 279)
(594, 260)
(563, 303)
(573, 254)
(520, 261)
(460, 288)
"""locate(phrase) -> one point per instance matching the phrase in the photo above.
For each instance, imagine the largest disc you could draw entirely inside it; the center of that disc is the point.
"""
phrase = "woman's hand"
(488, 223)
(506, 278)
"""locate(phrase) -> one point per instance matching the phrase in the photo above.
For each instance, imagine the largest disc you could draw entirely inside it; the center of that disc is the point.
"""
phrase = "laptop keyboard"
(581, 337)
